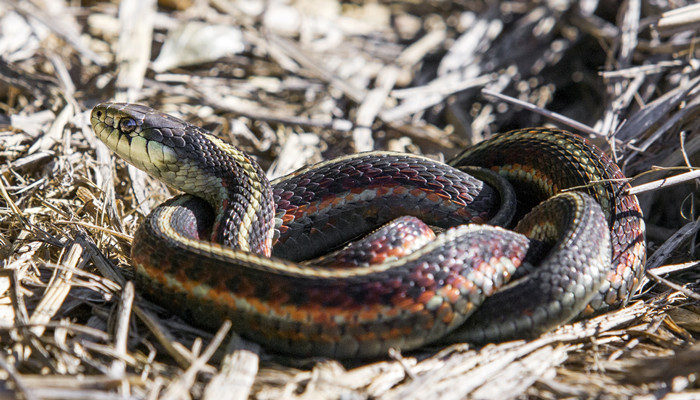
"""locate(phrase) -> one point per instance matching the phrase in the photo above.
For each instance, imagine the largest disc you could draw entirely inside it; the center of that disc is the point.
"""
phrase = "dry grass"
(309, 80)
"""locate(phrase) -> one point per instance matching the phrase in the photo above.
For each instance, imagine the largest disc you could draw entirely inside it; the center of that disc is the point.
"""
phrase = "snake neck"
(237, 188)
(245, 211)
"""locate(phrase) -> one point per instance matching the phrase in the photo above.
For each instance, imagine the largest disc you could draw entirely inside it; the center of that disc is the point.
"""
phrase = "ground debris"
(298, 82)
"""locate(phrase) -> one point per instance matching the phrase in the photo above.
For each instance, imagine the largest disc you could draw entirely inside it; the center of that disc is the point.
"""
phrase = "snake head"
(167, 148)
(143, 137)
(187, 158)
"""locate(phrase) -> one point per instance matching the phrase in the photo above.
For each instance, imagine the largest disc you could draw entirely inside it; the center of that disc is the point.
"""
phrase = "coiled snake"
(208, 255)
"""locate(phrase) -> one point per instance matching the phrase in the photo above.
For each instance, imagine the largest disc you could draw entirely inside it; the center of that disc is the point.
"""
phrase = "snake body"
(208, 255)
(541, 163)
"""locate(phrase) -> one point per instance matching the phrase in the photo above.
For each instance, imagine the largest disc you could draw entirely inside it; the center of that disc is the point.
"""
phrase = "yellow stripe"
(253, 178)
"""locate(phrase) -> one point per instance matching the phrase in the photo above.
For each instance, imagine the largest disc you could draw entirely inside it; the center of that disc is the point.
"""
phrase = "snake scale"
(237, 246)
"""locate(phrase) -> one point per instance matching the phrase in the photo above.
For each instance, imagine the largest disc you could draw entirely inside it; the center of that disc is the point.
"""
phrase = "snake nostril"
(98, 114)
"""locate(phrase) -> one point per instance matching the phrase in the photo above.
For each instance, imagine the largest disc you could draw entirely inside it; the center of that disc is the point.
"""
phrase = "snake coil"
(208, 255)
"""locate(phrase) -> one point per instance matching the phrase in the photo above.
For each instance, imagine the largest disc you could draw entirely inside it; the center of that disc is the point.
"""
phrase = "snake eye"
(127, 125)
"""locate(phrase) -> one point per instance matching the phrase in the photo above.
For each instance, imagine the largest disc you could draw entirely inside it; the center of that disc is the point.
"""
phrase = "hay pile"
(297, 82)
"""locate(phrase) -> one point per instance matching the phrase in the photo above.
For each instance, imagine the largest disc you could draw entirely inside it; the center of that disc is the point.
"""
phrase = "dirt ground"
(296, 82)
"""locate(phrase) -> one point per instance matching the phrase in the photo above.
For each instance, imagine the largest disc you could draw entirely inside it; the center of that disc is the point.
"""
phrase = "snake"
(236, 246)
